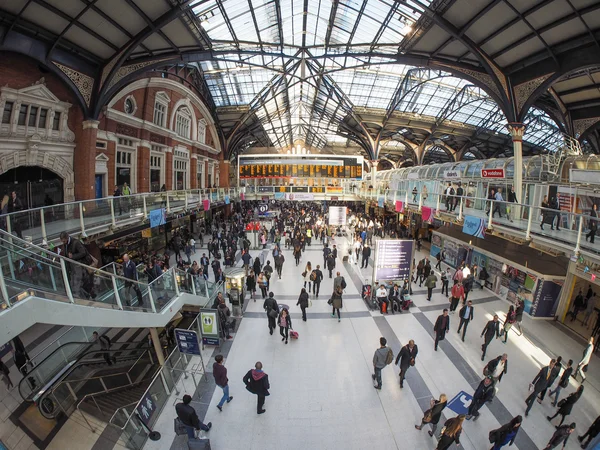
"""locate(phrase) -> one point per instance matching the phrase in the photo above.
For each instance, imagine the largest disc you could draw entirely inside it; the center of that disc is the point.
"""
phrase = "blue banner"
(187, 341)
(474, 226)
(157, 217)
(279, 195)
(213, 196)
(146, 408)
(381, 202)
(460, 403)
(227, 199)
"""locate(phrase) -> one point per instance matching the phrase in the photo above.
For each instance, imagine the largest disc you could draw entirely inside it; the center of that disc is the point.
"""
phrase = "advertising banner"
(300, 196)
(492, 173)
(187, 341)
(157, 217)
(399, 206)
(426, 213)
(206, 204)
(227, 201)
(545, 300)
(210, 327)
(474, 226)
(337, 215)
(393, 259)
(381, 202)
(279, 195)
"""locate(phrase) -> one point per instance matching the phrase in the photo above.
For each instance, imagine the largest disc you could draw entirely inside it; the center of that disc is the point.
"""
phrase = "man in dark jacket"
(221, 380)
(442, 325)
(189, 418)
(519, 315)
(491, 328)
(459, 193)
(257, 382)
(560, 436)
(553, 376)
(496, 368)
(539, 383)
(366, 253)
(406, 358)
(317, 281)
(578, 305)
(591, 433)
(303, 303)
(130, 272)
(466, 315)
(74, 249)
(270, 305)
(563, 382)
(326, 252)
(483, 394)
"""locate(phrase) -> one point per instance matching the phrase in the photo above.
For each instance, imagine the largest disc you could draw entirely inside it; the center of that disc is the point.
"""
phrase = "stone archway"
(33, 156)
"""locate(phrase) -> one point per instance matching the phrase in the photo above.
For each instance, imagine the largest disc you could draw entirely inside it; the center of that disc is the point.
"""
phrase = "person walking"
(445, 277)
(496, 368)
(263, 284)
(483, 394)
(441, 327)
(285, 324)
(104, 343)
(366, 253)
(585, 360)
(590, 308)
(545, 213)
(303, 303)
(382, 357)
(221, 380)
(457, 293)
(590, 434)
(118, 202)
(75, 250)
(130, 272)
(406, 359)
(512, 198)
(306, 275)
(5, 373)
(433, 414)
(498, 204)
(578, 305)
(511, 318)
(257, 383)
(560, 436)
(466, 315)
(318, 278)
(451, 432)
(188, 417)
(430, 283)
(336, 302)
(553, 376)
(565, 406)
(592, 224)
(339, 282)
(272, 309)
(330, 264)
(562, 383)
(539, 383)
(491, 329)
(519, 315)
(506, 434)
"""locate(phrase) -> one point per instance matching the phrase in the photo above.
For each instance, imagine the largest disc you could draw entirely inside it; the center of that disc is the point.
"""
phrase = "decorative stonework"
(126, 70)
(484, 78)
(581, 125)
(524, 90)
(83, 82)
(558, 101)
(499, 75)
(109, 67)
(516, 130)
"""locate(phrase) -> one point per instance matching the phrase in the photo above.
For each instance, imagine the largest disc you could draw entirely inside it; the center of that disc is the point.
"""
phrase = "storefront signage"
(187, 341)
(300, 196)
(393, 259)
(337, 215)
(451, 174)
(157, 217)
(474, 226)
(209, 327)
(492, 173)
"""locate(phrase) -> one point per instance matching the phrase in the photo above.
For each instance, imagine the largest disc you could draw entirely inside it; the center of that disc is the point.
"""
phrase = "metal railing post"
(145, 206)
(193, 285)
(116, 290)
(185, 195)
(3, 288)
(168, 203)
(437, 205)
(152, 305)
(579, 232)
(420, 201)
(491, 215)
(460, 209)
(112, 211)
(11, 265)
(172, 270)
(81, 222)
(406, 199)
(63, 269)
(529, 220)
(43, 225)
(206, 288)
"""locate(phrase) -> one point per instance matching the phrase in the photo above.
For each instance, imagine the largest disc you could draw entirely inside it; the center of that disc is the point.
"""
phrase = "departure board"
(298, 166)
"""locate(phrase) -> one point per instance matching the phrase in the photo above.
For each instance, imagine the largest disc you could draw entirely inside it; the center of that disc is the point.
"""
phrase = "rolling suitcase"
(199, 444)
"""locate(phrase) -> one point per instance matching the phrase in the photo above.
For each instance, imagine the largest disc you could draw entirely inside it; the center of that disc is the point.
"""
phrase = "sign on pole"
(209, 327)
(187, 341)
(263, 208)
(393, 259)
(337, 215)
(146, 408)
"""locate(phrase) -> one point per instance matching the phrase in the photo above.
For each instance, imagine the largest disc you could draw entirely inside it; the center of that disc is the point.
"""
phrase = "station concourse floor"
(322, 395)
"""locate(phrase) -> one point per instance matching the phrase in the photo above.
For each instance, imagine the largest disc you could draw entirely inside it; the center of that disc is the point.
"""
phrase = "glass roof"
(304, 80)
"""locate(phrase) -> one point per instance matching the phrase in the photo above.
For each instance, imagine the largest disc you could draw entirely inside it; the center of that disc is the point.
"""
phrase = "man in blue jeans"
(220, 374)
(189, 418)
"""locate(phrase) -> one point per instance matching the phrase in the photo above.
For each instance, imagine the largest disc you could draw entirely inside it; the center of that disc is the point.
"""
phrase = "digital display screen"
(296, 166)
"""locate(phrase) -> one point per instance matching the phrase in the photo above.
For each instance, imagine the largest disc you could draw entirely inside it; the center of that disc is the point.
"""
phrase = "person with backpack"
(430, 283)
(336, 302)
(449, 197)
(224, 314)
(272, 309)
(104, 342)
(433, 414)
(383, 356)
(316, 277)
(307, 274)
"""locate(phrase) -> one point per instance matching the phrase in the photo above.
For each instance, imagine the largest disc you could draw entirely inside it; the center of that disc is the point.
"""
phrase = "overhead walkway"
(40, 286)
(100, 215)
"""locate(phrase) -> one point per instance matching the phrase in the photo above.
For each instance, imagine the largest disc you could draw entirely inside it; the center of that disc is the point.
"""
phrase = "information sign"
(263, 208)
(460, 403)
(187, 341)
(393, 259)
(146, 408)
(286, 166)
(337, 215)
(209, 327)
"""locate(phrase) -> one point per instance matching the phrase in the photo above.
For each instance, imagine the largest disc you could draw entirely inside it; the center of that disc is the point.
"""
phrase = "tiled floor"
(321, 390)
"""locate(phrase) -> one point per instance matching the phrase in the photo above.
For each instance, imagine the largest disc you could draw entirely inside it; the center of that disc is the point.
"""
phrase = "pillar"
(143, 167)
(169, 168)
(157, 347)
(193, 172)
(566, 292)
(374, 165)
(84, 161)
(517, 130)
(224, 167)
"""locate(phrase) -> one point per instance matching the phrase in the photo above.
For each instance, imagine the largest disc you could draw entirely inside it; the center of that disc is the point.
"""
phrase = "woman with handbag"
(511, 318)
(285, 324)
(451, 432)
(306, 275)
(262, 284)
(336, 302)
(565, 406)
(505, 434)
(433, 414)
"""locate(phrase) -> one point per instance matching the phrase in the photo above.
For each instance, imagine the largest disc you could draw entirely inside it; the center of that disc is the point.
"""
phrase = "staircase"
(103, 406)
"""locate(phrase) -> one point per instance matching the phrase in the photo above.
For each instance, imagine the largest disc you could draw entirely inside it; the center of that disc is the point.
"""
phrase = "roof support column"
(373, 164)
(517, 130)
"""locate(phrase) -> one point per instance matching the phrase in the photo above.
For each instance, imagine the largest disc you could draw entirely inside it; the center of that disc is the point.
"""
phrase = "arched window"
(202, 131)
(161, 105)
(183, 120)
